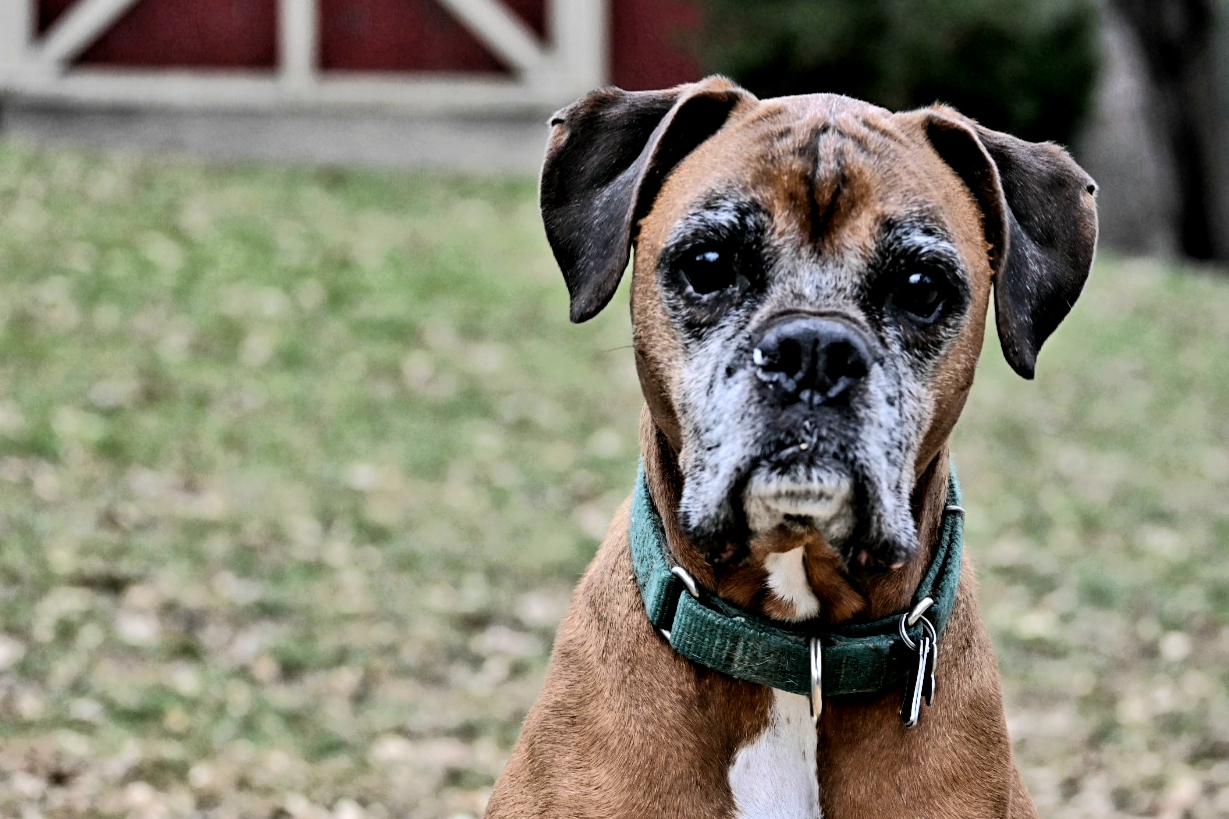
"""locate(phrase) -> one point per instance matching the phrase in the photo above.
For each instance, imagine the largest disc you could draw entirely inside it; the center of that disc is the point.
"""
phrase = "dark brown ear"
(607, 157)
(1040, 220)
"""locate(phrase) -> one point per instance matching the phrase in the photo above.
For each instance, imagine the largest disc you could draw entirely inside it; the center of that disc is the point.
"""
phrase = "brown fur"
(625, 727)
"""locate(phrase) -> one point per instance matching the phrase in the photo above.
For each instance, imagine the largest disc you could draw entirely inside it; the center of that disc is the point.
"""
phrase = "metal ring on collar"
(917, 611)
(904, 635)
(689, 582)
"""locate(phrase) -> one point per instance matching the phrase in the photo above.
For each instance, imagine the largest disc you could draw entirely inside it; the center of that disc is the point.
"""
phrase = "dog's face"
(811, 282)
(814, 281)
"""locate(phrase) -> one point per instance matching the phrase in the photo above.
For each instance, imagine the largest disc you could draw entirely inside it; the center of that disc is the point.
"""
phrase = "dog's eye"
(921, 295)
(709, 270)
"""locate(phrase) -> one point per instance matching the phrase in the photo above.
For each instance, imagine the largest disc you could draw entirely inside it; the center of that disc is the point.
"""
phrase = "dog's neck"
(840, 596)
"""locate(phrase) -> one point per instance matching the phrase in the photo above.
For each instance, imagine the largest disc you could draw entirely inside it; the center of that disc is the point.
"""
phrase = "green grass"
(297, 471)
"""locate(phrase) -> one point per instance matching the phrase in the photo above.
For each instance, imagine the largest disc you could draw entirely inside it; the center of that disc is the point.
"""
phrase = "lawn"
(297, 470)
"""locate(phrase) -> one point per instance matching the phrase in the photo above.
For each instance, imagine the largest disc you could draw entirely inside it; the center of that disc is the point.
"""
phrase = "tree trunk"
(1178, 41)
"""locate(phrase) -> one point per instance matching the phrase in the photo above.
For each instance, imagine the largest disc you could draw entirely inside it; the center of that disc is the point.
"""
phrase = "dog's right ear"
(607, 157)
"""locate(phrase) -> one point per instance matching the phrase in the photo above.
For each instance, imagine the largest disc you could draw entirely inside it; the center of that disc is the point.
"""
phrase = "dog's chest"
(774, 777)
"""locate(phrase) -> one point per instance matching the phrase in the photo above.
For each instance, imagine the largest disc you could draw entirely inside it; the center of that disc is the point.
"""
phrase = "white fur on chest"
(787, 579)
(774, 777)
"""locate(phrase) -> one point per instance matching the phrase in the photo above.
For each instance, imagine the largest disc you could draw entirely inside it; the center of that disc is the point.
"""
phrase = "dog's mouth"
(803, 494)
(830, 472)
(806, 491)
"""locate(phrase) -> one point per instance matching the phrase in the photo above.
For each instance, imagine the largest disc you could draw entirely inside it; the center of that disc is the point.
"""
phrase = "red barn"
(446, 55)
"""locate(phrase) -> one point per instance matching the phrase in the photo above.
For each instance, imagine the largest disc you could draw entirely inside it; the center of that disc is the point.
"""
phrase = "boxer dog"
(810, 288)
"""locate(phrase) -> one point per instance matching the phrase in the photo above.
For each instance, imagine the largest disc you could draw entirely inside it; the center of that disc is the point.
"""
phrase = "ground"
(297, 470)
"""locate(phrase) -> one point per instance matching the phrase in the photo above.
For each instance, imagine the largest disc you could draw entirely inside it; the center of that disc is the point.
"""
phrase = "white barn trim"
(544, 75)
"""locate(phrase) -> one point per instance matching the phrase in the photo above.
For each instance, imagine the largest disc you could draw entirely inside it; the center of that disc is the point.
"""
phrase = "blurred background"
(300, 458)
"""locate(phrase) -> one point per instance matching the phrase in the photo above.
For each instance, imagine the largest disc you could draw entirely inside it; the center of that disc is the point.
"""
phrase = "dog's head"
(811, 282)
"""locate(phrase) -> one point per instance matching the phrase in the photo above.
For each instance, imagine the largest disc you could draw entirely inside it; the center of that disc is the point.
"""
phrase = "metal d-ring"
(817, 680)
(917, 611)
(689, 582)
(910, 618)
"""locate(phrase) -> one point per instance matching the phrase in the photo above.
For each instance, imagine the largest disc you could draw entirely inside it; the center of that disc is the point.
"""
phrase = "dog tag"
(911, 708)
(932, 660)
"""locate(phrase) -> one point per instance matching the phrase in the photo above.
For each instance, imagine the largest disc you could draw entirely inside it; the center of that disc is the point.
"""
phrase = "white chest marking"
(788, 580)
(774, 776)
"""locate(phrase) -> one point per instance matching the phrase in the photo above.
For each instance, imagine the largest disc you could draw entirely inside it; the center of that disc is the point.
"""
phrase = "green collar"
(857, 659)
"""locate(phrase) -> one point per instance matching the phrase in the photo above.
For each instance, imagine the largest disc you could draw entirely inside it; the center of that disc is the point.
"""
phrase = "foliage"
(1025, 68)
(297, 471)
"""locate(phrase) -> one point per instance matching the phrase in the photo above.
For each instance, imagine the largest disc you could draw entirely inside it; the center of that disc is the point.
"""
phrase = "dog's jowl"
(780, 622)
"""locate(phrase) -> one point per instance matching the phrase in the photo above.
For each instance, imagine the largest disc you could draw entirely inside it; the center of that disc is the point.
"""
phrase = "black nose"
(811, 358)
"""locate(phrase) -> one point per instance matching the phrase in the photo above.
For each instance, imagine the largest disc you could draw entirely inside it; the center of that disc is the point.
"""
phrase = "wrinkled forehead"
(828, 170)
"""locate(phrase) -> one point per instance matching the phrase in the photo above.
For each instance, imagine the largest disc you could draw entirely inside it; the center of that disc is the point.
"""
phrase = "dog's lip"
(794, 450)
(799, 499)
(815, 493)
(802, 450)
(784, 464)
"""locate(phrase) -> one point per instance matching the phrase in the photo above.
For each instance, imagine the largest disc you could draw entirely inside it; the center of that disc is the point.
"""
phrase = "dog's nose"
(811, 358)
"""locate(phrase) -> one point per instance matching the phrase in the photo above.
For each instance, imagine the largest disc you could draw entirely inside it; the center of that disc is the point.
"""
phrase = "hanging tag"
(932, 660)
(911, 708)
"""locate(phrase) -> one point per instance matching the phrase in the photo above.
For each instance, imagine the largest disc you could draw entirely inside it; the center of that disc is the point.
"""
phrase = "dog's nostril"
(788, 358)
(844, 361)
(784, 362)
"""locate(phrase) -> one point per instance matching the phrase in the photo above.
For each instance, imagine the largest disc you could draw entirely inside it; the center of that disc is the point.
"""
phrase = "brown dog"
(810, 289)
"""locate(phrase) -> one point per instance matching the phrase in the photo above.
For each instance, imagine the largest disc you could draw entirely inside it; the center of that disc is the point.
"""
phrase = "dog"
(810, 287)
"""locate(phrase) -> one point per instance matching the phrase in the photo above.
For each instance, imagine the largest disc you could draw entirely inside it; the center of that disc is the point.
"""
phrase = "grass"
(297, 470)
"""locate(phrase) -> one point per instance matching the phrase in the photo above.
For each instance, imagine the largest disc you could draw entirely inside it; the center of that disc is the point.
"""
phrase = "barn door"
(273, 53)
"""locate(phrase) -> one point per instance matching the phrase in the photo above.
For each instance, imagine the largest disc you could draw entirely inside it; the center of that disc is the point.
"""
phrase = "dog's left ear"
(607, 157)
(1040, 216)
